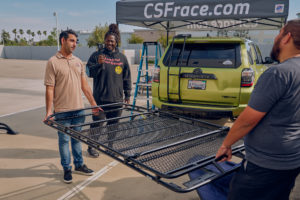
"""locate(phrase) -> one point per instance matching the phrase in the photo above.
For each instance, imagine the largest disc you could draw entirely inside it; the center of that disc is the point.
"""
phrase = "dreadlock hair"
(113, 30)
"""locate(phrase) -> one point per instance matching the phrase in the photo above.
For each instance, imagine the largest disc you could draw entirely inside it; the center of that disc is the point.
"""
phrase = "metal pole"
(55, 14)
(168, 25)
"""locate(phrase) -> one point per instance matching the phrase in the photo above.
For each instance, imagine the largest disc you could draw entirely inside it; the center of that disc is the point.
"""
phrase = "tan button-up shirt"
(65, 75)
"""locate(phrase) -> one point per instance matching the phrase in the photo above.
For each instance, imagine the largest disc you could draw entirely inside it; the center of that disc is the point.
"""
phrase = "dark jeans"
(109, 112)
(252, 182)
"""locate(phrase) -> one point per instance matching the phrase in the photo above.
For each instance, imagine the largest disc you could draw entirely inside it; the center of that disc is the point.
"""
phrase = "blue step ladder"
(144, 74)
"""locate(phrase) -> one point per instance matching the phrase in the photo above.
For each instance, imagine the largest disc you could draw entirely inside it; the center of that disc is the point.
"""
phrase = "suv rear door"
(209, 74)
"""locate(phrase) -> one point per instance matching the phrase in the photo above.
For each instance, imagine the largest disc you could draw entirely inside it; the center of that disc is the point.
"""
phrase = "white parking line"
(34, 108)
(85, 183)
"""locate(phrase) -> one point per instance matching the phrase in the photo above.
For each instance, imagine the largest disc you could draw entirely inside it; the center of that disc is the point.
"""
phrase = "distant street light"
(55, 15)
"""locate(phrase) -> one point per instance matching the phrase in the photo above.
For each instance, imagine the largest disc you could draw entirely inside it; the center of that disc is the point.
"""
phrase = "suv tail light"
(156, 75)
(247, 77)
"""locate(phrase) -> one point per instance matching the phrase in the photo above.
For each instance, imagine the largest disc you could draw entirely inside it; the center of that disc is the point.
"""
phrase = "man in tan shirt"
(64, 80)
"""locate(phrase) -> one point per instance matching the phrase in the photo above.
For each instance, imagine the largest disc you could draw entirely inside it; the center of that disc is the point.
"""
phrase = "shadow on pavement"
(47, 170)
(139, 188)
(30, 123)
(28, 153)
(52, 189)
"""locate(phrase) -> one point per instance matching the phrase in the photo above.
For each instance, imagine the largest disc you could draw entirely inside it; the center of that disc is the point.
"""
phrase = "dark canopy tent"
(203, 15)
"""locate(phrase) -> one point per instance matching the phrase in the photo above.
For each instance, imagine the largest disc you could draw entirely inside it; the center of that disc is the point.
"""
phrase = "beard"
(276, 50)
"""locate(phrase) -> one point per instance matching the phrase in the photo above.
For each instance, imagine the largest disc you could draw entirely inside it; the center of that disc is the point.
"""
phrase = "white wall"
(130, 55)
(41, 52)
(1, 51)
(45, 52)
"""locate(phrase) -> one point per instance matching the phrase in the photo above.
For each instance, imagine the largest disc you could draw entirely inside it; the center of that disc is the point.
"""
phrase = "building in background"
(83, 37)
(125, 36)
(264, 38)
(152, 35)
(148, 35)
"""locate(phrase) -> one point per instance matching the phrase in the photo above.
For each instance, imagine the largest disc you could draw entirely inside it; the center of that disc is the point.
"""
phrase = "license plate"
(196, 84)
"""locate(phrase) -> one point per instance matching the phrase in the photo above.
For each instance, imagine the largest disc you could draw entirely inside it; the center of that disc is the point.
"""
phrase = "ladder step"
(143, 97)
(145, 84)
(146, 70)
(149, 56)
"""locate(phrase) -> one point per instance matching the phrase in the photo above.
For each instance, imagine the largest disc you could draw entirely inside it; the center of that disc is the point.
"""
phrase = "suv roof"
(214, 39)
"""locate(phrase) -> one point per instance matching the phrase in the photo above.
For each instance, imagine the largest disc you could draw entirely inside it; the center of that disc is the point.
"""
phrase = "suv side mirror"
(268, 60)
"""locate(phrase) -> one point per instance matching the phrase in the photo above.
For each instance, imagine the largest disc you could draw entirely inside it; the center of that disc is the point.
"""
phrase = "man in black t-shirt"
(271, 126)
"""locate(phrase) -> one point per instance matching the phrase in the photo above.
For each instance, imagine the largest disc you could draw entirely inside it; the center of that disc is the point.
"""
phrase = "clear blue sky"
(75, 14)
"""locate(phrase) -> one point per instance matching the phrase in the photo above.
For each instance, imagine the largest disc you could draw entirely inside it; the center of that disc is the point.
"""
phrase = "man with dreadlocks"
(111, 77)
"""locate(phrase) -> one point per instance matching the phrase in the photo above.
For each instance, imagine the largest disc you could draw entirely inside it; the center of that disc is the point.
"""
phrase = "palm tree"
(45, 33)
(39, 33)
(28, 33)
(21, 32)
(15, 32)
(5, 37)
(32, 34)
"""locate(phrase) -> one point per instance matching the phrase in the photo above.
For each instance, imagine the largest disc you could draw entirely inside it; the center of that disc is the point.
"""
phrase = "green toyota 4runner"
(207, 77)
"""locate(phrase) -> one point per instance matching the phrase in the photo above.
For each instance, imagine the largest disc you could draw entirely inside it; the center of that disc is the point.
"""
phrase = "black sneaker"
(68, 176)
(84, 170)
(93, 152)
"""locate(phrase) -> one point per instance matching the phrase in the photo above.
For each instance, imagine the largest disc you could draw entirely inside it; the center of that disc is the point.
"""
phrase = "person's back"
(272, 142)
(271, 126)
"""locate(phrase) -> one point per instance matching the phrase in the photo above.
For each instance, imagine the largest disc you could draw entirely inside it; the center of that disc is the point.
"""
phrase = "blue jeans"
(254, 182)
(63, 140)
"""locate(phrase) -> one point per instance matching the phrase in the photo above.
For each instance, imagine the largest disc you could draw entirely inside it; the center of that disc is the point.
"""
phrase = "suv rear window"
(216, 55)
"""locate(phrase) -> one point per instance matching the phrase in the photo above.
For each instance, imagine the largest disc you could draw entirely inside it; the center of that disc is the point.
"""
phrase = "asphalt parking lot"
(29, 162)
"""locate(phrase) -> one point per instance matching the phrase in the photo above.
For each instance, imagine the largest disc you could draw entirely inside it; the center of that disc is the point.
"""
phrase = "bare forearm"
(49, 96)
(237, 132)
(243, 125)
(88, 92)
(49, 99)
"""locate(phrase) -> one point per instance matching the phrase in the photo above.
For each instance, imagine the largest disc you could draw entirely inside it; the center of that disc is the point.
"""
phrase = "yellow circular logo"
(118, 69)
